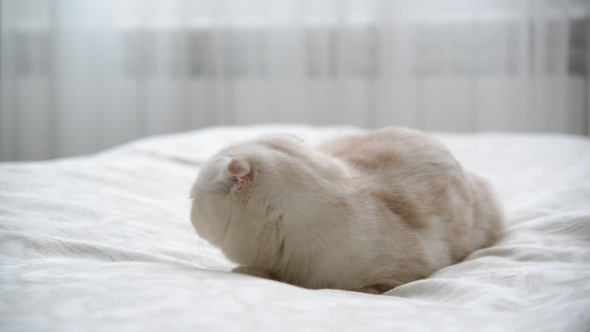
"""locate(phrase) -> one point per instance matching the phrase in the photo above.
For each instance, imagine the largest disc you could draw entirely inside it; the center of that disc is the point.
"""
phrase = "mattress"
(104, 242)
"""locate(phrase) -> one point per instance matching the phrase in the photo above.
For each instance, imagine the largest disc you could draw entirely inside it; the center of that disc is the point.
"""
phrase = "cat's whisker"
(190, 246)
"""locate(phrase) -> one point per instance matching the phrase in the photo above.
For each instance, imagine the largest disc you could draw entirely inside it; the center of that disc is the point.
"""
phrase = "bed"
(104, 242)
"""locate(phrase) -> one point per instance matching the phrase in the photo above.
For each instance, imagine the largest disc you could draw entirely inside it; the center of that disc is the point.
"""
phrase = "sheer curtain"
(78, 76)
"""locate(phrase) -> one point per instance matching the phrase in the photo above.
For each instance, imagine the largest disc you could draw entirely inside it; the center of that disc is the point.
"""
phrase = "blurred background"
(78, 76)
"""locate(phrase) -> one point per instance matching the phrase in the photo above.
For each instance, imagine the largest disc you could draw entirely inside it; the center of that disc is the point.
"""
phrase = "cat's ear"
(240, 168)
(223, 175)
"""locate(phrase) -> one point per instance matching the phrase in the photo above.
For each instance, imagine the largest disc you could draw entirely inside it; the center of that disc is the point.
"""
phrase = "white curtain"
(82, 75)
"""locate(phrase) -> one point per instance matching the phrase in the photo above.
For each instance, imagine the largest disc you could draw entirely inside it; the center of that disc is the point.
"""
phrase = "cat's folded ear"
(223, 176)
(240, 168)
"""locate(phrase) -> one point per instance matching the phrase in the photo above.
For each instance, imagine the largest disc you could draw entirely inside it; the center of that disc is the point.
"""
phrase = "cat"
(364, 213)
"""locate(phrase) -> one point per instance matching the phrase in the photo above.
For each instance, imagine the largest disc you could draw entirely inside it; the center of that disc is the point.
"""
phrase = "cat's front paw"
(253, 271)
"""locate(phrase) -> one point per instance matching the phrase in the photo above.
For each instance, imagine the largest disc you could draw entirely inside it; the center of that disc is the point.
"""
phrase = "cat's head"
(248, 186)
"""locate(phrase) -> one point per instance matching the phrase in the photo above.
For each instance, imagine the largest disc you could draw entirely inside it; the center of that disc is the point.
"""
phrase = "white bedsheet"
(104, 242)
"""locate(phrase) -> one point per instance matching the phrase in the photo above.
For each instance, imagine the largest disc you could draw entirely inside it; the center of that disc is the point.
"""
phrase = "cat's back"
(411, 174)
(392, 150)
(416, 178)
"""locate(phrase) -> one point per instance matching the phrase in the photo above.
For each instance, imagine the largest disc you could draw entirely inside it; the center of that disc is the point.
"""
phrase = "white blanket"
(104, 242)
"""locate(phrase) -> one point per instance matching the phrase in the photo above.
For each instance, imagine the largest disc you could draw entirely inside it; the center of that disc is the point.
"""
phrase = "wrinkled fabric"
(104, 242)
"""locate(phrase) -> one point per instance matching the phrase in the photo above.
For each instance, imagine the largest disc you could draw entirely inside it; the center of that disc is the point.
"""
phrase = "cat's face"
(237, 189)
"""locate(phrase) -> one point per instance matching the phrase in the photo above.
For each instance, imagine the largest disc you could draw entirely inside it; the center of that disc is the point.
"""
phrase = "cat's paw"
(376, 289)
(253, 271)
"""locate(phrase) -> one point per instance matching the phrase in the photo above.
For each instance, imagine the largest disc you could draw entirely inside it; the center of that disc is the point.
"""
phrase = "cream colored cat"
(364, 213)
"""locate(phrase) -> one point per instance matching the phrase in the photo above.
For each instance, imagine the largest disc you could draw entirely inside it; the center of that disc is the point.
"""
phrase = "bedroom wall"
(80, 76)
